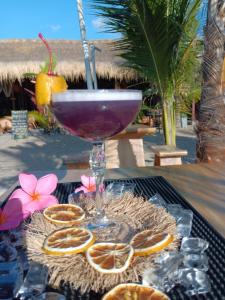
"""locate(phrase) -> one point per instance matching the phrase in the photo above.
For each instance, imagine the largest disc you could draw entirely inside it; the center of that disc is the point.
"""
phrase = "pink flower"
(35, 194)
(11, 215)
(88, 184)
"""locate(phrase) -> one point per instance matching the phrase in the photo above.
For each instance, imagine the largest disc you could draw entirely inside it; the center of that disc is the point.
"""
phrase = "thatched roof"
(20, 56)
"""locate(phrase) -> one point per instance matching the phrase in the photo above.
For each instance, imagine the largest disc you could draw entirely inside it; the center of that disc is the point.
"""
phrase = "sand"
(42, 152)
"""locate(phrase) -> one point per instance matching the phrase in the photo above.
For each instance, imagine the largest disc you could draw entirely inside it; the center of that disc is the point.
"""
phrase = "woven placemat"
(74, 269)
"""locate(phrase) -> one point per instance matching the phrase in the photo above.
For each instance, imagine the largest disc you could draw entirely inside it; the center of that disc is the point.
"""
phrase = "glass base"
(107, 230)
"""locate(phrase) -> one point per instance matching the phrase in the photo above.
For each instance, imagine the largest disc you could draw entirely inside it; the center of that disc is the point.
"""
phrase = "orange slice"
(132, 291)
(68, 241)
(110, 257)
(64, 214)
(58, 84)
(46, 85)
(145, 243)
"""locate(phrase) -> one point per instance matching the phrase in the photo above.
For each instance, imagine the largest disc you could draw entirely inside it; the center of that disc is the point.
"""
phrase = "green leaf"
(39, 118)
(30, 75)
(156, 40)
(45, 68)
(153, 35)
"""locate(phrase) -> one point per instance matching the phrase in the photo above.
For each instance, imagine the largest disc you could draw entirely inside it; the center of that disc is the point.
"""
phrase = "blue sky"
(55, 19)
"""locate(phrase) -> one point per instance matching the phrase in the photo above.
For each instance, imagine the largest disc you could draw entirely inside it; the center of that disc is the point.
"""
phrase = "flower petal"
(23, 197)
(81, 188)
(17, 203)
(12, 207)
(20, 194)
(101, 188)
(46, 184)
(91, 188)
(11, 223)
(43, 202)
(12, 213)
(28, 182)
(87, 180)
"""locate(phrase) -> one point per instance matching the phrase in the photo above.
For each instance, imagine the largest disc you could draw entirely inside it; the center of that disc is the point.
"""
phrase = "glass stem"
(97, 165)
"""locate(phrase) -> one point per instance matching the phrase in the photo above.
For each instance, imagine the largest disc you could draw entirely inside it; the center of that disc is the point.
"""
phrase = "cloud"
(98, 23)
(55, 27)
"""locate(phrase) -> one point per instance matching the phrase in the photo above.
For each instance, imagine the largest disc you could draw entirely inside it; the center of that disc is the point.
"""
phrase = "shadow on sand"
(38, 152)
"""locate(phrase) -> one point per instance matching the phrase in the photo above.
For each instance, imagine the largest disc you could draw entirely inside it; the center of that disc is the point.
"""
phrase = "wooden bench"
(167, 155)
(122, 150)
(126, 149)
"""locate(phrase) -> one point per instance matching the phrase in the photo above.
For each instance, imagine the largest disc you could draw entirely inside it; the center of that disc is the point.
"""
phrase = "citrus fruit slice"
(46, 85)
(110, 257)
(58, 84)
(48, 82)
(68, 241)
(132, 291)
(42, 89)
(64, 214)
(145, 243)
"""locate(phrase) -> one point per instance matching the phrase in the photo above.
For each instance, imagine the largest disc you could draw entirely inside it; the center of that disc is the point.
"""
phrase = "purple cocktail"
(96, 115)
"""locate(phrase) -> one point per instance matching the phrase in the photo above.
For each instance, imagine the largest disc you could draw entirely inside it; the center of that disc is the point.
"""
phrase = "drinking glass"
(95, 115)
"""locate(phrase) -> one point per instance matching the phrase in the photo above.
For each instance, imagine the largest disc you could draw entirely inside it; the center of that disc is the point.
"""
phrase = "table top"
(165, 151)
(202, 185)
(134, 132)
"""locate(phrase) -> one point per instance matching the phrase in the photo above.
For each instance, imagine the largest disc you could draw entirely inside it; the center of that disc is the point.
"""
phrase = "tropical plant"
(141, 113)
(187, 99)
(211, 120)
(154, 41)
(189, 76)
(38, 118)
(47, 122)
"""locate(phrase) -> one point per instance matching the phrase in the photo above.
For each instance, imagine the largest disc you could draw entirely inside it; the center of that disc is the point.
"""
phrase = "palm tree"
(211, 120)
(154, 41)
(188, 79)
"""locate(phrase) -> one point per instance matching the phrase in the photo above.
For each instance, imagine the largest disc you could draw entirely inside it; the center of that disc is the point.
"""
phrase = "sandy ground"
(43, 152)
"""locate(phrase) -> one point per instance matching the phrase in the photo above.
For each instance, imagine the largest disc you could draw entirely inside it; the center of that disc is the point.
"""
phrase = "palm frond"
(152, 31)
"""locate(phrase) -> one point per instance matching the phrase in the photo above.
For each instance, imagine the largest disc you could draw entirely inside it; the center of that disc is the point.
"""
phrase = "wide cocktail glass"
(95, 115)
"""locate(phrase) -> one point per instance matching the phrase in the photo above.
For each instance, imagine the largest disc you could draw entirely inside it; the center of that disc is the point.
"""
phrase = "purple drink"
(96, 114)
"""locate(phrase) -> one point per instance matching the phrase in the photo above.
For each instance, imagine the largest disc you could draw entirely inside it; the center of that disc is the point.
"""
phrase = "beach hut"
(20, 56)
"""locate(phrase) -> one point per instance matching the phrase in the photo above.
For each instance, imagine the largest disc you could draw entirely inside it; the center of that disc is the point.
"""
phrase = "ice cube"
(194, 281)
(193, 245)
